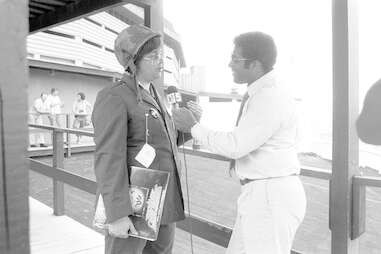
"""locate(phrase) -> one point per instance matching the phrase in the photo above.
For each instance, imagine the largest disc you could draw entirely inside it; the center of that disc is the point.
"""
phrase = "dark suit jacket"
(119, 126)
(369, 121)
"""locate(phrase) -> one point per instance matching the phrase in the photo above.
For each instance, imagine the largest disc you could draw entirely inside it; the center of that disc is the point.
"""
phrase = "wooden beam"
(50, 2)
(345, 111)
(41, 6)
(141, 3)
(14, 214)
(210, 231)
(71, 179)
(58, 162)
(70, 12)
(35, 10)
(125, 15)
(154, 18)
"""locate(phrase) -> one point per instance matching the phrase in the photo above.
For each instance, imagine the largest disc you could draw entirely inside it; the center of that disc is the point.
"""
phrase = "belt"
(246, 180)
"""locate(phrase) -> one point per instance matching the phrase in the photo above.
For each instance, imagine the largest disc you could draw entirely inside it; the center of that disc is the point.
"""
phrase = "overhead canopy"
(44, 14)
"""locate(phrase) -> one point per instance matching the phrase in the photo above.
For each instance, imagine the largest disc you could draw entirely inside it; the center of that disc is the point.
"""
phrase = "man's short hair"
(82, 95)
(257, 46)
(147, 48)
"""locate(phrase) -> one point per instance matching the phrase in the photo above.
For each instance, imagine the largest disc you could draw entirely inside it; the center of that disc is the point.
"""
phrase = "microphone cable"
(188, 194)
(4, 174)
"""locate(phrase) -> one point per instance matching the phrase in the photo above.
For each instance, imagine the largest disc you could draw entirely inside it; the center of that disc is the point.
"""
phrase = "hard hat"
(128, 44)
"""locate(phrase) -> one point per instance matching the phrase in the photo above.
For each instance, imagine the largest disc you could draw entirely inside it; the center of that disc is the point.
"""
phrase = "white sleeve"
(261, 120)
(37, 105)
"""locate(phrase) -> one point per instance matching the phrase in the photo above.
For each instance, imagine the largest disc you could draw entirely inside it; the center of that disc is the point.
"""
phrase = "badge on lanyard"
(147, 154)
(154, 113)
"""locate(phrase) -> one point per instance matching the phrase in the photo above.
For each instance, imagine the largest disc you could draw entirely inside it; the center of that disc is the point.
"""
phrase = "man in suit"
(127, 116)
(369, 121)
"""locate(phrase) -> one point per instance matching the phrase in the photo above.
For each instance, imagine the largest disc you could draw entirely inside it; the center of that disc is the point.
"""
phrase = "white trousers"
(37, 137)
(268, 214)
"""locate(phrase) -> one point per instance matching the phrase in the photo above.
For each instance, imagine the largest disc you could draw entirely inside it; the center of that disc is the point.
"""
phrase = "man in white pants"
(40, 108)
(262, 147)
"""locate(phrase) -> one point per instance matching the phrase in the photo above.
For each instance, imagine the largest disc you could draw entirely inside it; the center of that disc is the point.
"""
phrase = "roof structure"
(44, 14)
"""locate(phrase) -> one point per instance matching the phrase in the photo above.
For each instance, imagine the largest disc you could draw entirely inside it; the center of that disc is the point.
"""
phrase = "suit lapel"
(168, 123)
(146, 97)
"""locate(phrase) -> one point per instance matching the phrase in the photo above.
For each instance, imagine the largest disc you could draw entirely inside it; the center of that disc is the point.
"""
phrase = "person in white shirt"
(81, 110)
(40, 108)
(56, 106)
(263, 150)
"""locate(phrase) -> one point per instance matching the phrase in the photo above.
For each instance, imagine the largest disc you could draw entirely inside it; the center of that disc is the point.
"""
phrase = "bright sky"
(302, 32)
(301, 29)
(208, 27)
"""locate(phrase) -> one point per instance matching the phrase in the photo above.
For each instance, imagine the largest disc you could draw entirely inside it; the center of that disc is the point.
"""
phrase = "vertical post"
(14, 210)
(147, 16)
(154, 18)
(68, 138)
(358, 209)
(345, 111)
(58, 162)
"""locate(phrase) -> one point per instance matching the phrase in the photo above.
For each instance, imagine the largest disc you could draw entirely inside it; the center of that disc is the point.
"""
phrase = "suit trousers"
(268, 214)
(133, 245)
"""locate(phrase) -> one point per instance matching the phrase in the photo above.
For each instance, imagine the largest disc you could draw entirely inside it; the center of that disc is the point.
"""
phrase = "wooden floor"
(63, 235)
(60, 234)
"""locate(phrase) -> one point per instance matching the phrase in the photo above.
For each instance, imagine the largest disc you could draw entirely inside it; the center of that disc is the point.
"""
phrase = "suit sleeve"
(110, 129)
(369, 121)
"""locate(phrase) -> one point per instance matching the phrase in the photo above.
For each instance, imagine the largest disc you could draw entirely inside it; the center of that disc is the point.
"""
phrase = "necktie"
(244, 99)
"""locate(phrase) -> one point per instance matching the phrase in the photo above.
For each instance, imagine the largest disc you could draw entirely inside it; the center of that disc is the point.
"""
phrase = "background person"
(40, 109)
(56, 105)
(81, 110)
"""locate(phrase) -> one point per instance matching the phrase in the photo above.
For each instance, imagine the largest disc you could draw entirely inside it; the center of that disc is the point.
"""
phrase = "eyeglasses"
(236, 59)
(154, 57)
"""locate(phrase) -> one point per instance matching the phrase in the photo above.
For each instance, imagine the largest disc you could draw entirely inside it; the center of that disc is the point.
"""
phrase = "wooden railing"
(210, 231)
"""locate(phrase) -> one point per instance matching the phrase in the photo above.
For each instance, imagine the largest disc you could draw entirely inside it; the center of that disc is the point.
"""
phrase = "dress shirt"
(82, 107)
(41, 106)
(55, 104)
(145, 86)
(264, 143)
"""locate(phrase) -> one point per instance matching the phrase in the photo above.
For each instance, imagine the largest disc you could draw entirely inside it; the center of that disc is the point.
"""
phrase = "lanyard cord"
(3, 173)
(146, 114)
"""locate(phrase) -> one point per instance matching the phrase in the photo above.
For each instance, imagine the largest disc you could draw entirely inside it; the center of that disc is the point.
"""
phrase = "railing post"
(68, 139)
(58, 162)
(345, 146)
(358, 209)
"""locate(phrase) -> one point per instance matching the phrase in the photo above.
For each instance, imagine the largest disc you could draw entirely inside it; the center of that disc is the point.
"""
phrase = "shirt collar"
(266, 80)
(145, 86)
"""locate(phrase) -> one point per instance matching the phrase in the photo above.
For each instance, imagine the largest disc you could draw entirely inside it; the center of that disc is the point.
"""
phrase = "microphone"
(173, 97)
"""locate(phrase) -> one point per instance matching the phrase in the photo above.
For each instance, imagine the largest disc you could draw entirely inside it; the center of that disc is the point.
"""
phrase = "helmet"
(128, 44)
